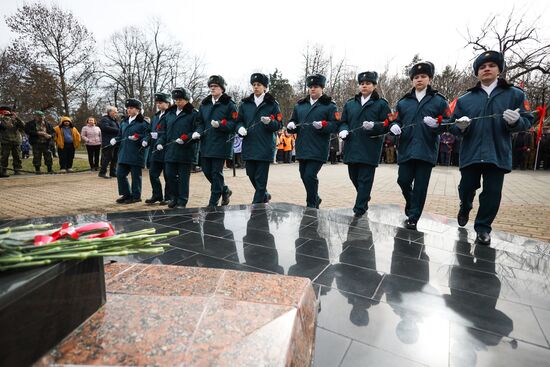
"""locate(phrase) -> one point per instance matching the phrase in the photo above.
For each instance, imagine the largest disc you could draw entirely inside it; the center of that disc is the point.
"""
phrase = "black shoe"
(357, 214)
(164, 202)
(172, 204)
(103, 175)
(267, 198)
(122, 199)
(180, 206)
(211, 207)
(483, 238)
(319, 203)
(410, 224)
(132, 200)
(225, 197)
(152, 200)
(463, 216)
(17, 172)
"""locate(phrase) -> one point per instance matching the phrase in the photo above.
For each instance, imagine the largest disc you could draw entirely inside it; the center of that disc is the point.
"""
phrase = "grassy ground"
(80, 164)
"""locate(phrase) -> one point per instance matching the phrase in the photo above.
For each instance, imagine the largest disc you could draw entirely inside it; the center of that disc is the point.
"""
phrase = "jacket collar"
(429, 92)
(139, 118)
(188, 108)
(324, 99)
(501, 83)
(373, 97)
(268, 98)
(224, 99)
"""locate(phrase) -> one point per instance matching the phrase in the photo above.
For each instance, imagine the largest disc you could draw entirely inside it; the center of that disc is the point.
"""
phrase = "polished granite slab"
(387, 295)
(192, 316)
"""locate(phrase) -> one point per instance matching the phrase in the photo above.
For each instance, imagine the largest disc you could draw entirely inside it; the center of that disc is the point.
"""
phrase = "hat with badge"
(163, 97)
(180, 93)
(133, 102)
(5, 110)
(218, 80)
(368, 76)
(489, 56)
(422, 67)
(259, 78)
(316, 79)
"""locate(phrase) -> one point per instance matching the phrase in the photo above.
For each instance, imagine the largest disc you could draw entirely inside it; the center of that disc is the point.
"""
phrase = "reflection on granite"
(387, 295)
(174, 315)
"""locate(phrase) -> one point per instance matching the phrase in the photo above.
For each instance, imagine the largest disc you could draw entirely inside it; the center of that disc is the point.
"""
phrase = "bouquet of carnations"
(34, 245)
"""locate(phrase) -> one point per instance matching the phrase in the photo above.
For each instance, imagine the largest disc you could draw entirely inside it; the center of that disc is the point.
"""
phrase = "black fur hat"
(180, 92)
(132, 102)
(422, 67)
(368, 76)
(316, 79)
(163, 97)
(489, 56)
(259, 78)
(218, 80)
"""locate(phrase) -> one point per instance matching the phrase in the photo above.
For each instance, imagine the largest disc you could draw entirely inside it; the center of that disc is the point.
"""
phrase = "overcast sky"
(236, 38)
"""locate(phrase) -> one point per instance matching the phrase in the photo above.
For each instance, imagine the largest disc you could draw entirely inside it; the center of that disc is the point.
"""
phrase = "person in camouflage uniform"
(10, 138)
(40, 134)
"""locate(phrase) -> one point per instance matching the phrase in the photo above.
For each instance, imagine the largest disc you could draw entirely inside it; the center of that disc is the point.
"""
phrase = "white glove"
(317, 124)
(155, 135)
(463, 122)
(242, 131)
(511, 116)
(430, 121)
(160, 147)
(112, 141)
(368, 125)
(144, 144)
(195, 136)
(291, 125)
(215, 124)
(395, 129)
(132, 138)
(265, 119)
(179, 141)
(343, 134)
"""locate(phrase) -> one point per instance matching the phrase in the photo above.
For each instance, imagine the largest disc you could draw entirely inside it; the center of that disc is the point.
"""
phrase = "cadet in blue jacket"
(486, 149)
(131, 156)
(313, 119)
(364, 115)
(179, 147)
(259, 118)
(156, 159)
(418, 124)
(215, 127)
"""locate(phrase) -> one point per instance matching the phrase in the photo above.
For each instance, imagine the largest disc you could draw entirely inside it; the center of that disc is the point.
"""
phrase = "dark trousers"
(15, 150)
(213, 171)
(155, 169)
(257, 172)
(362, 176)
(122, 172)
(308, 173)
(109, 157)
(287, 156)
(39, 150)
(414, 177)
(177, 175)
(93, 155)
(489, 199)
(444, 158)
(66, 156)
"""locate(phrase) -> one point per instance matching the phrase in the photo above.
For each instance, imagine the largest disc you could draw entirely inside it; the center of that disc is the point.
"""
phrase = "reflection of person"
(465, 300)
(257, 232)
(350, 281)
(399, 293)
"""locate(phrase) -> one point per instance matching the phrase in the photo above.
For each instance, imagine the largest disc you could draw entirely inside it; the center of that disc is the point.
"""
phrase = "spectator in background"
(446, 141)
(521, 150)
(389, 148)
(237, 150)
(91, 136)
(25, 146)
(40, 134)
(67, 139)
(109, 129)
(288, 146)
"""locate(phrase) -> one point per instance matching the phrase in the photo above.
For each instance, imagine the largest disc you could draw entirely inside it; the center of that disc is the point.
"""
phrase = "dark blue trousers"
(257, 172)
(122, 172)
(308, 173)
(213, 171)
(178, 180)
(362, 176)
(414, 177)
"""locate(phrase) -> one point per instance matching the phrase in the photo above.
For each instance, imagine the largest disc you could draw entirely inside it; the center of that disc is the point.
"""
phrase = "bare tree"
(517, 38)
(56, 38)
(452, 82)
(314, 61)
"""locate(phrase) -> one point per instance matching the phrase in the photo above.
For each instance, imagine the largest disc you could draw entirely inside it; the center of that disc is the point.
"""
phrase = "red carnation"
(324, 123)
(439, 119)
(279, 117)
(136, 136)
(224, 122)
(386, 122)
(158, 126)
(272, 117)
(183, 137)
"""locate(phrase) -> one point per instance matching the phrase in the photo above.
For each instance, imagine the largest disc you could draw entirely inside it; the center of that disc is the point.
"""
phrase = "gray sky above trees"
(236, 38)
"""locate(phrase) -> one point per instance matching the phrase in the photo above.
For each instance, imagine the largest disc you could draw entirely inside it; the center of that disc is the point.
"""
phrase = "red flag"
(542, 114)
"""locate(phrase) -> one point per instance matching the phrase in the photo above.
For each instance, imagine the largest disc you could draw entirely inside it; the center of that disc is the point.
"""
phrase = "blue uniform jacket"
(489, 140)
(259, 144)
(360, 146)
(156, 123)
(216, 142)
(312, 143)
(418, 140)
(131, 152)
(179, 126)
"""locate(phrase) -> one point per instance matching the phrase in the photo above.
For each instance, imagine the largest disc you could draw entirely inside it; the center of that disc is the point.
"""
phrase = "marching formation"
(484, 117)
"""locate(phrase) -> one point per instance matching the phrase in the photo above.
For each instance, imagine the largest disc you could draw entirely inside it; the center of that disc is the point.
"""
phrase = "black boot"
(50, 170)
(4, 173)
(37, 170)
(226, 196)
(463, 216)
